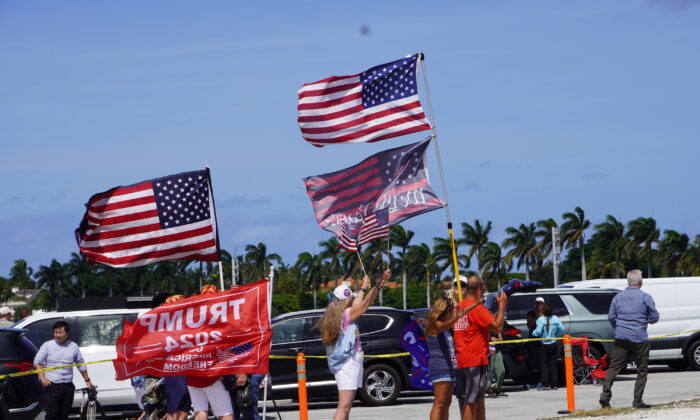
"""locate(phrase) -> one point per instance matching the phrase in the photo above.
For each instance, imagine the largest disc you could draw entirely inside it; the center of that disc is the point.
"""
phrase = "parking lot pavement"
(663, 385)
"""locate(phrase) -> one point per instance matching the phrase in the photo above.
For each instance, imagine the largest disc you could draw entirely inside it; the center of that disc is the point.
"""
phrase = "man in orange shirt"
(471, 336)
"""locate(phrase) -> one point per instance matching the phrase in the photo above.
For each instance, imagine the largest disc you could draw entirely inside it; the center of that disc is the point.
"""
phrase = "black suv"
(380, 332)
(20, 397)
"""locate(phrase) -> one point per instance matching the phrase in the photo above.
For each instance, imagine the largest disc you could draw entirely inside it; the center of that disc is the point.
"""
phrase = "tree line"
(604, 250)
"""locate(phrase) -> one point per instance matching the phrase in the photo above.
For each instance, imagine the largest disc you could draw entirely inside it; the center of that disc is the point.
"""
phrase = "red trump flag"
(206, 335)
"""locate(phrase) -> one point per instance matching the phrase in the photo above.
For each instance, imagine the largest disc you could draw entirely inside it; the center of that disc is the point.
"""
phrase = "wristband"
(363, 290)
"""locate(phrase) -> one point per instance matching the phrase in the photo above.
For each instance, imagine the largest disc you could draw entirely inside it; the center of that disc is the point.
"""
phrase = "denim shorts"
(443, 376)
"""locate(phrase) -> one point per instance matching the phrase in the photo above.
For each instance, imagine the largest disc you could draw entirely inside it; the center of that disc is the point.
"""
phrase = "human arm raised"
(497, 324)
(442, 326)
(362, 302)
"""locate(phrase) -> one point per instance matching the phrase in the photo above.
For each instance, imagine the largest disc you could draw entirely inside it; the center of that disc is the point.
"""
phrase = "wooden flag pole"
(455, 263)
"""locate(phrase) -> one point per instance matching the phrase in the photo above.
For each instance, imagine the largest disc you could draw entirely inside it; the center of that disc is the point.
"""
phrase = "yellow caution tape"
(381, 356)
(600, 340)
(32, 372)
(306, 356)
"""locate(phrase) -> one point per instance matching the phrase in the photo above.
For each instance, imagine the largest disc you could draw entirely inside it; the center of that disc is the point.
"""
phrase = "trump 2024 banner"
(205, 335)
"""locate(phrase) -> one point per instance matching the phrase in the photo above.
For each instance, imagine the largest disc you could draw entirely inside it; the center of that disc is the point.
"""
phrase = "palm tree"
(543, 247)
(21, 275)
(643, 232)
(476, 237)
(612, 234)
(671, 249)
(573, 233)
(310, 266)
(493, 264)
(80, 271)
(442, 252)
(5, 290)
(330, 254)
(522, 240)
(259, 261)
(604, 265)
(53, 278)
(689, 264)
(401, 238)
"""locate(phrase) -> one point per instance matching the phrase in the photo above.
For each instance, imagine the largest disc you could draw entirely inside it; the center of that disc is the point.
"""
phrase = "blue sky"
(540, 107)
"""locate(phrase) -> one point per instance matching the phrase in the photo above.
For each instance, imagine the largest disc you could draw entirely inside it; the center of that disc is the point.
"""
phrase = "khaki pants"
(623, 349)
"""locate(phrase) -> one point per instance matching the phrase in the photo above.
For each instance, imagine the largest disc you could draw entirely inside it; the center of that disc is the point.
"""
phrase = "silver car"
(584, 313)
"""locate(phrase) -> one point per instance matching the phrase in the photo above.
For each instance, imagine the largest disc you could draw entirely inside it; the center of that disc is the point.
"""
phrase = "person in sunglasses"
(442, 364)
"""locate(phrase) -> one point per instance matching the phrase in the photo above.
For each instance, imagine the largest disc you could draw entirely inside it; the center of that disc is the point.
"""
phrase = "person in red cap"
(340, 334)
(209, 390)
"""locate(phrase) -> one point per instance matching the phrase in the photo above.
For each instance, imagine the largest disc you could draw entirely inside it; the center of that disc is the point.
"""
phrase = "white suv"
(96, 332)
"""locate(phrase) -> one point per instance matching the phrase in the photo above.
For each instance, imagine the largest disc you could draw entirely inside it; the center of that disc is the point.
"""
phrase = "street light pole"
(556, 250)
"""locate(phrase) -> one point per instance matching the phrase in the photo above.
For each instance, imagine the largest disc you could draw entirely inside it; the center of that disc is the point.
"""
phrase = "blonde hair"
(441, 307)
(329, 324)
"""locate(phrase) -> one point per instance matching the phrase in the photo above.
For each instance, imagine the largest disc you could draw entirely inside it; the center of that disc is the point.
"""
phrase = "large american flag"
(374, 105)
(169, 218)
(374, 226)
(395, 180)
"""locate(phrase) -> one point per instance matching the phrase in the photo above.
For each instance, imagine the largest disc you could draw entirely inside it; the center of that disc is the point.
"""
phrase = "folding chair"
(584, 364)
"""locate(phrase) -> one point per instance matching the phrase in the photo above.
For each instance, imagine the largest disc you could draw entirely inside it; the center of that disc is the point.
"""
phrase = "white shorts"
(349, 377)
(214, 395)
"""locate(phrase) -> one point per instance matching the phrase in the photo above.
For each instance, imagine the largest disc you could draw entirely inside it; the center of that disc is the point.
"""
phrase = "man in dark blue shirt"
(630, 313)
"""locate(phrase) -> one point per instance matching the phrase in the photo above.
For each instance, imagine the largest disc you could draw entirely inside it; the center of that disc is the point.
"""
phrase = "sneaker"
(604, 404)
(500, 393)
(527, 387)
(554, 388)
(643, 405)
(541, 387)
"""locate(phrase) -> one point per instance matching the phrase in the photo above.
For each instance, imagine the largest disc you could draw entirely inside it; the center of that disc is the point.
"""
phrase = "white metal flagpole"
(455, 264)
(269, 313)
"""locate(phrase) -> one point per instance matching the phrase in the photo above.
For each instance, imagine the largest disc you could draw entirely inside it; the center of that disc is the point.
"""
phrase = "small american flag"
(374, 105)
(169, 218)
(233, 353)
(347, 240)
(374, 226)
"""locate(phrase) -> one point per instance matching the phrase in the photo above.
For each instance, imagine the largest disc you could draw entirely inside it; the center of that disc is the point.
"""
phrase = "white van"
(96, 332)
(676, 299)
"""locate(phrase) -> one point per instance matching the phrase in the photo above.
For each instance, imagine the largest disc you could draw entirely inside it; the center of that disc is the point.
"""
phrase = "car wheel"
(381, 385)
(693, 355)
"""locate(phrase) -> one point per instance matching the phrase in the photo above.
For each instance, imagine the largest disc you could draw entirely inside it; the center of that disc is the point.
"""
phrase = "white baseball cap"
(462, 279)
(539, 299)
(343, 292)
(5, 310)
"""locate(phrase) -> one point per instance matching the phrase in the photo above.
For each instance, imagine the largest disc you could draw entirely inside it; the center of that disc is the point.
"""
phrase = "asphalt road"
(663, 385)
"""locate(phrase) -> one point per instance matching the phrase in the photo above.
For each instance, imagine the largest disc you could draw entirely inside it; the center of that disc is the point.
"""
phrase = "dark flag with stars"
(377, 104)
(395, 180)
(169, 218)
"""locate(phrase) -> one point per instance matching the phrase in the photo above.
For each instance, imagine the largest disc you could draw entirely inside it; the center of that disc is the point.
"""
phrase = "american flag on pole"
(347, 240)
(169, 218)
(374, 105)
(395, 180)
(374, 226)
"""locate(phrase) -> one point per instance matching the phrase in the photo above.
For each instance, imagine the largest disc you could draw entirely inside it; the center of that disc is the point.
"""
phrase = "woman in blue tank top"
(340, 334)
(442, 364)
